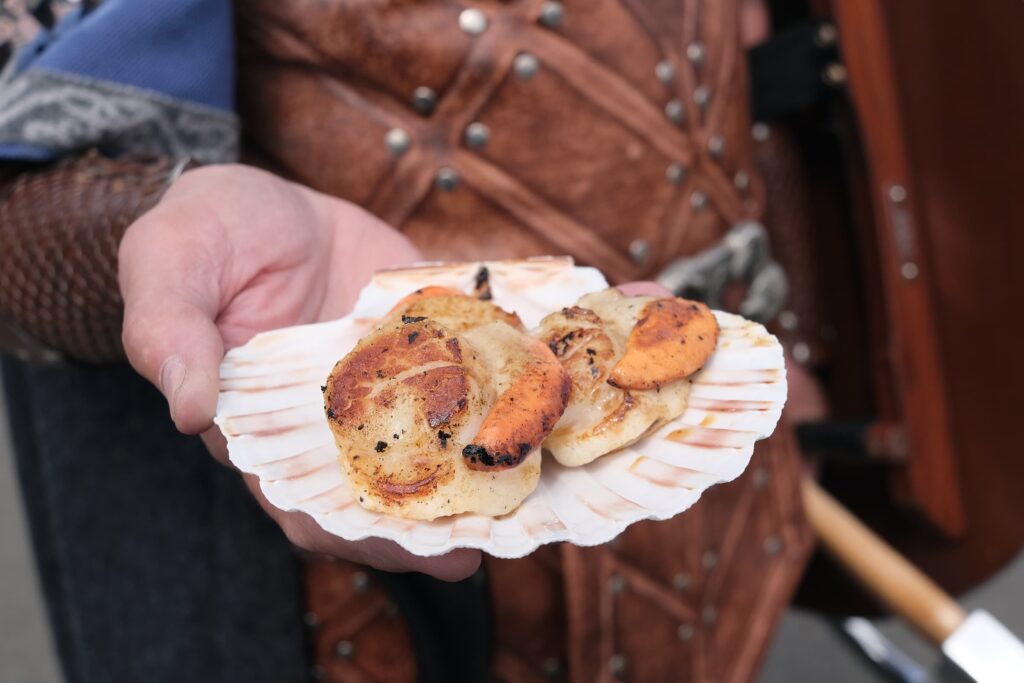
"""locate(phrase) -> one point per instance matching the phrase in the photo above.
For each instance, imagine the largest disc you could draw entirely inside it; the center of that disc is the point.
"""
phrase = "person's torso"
(614, 131)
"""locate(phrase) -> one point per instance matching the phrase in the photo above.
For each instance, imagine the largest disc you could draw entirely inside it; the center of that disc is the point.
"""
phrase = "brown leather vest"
(613, 130)
(625, 120)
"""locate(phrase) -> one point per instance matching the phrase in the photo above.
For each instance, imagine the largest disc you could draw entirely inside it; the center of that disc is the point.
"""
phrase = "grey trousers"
(156, 563)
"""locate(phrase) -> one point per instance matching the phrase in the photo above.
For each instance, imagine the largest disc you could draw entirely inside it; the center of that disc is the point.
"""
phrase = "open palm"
(231, 251)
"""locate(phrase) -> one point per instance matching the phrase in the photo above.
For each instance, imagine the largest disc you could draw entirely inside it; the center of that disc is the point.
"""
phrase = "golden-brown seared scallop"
(443, 409)
(628, 358)
(454, 310)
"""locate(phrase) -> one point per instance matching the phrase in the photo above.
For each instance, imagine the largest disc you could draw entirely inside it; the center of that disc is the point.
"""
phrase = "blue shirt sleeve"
(150, 76)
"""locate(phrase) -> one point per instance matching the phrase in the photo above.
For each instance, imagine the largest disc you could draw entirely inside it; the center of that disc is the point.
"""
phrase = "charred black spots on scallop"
(413, 318)
(560, 347)
(381, 446)
(478, 453)
(482, 284)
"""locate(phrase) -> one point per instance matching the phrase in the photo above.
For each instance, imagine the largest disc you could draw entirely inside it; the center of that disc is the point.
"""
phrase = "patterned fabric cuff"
(63, 113)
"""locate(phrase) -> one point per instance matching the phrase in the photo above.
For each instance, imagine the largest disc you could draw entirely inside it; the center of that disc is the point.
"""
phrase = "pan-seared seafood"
(628, 358)
(443, 409)
(453, 309)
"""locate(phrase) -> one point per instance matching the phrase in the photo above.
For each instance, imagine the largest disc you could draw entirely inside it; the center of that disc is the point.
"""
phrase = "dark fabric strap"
(156, 563)
(795, 70)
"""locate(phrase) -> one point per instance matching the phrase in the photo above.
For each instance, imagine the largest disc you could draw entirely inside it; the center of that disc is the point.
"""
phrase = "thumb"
(169, 283)
(176, 346)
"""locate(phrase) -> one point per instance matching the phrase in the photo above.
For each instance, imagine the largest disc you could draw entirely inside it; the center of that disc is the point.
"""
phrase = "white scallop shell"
(271, 411)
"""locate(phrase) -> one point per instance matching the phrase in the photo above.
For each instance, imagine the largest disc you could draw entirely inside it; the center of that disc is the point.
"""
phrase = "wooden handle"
(887, 574)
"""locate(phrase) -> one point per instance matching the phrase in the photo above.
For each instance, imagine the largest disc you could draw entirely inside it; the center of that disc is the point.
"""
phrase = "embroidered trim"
(65, 113)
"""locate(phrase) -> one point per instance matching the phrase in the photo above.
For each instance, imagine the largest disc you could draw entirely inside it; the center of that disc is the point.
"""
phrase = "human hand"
(228, 252)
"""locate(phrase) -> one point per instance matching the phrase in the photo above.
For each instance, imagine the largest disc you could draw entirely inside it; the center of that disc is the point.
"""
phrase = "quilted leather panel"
(570, 152)
(577, 154)
(477, 221)
(392, 45)
(286, 103)
(628, 50)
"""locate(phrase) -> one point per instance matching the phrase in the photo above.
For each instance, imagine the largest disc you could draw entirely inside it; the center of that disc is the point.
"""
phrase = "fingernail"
(172, 376)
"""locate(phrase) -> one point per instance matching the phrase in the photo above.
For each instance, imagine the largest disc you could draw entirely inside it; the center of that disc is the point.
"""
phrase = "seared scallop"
(628, 359)
(443, 408)
(453, 309)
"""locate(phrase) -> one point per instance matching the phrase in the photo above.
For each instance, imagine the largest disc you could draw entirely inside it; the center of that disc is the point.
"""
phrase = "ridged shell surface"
(271, 412)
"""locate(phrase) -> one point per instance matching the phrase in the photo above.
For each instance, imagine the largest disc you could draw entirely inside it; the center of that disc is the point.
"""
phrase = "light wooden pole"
(901, 586)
